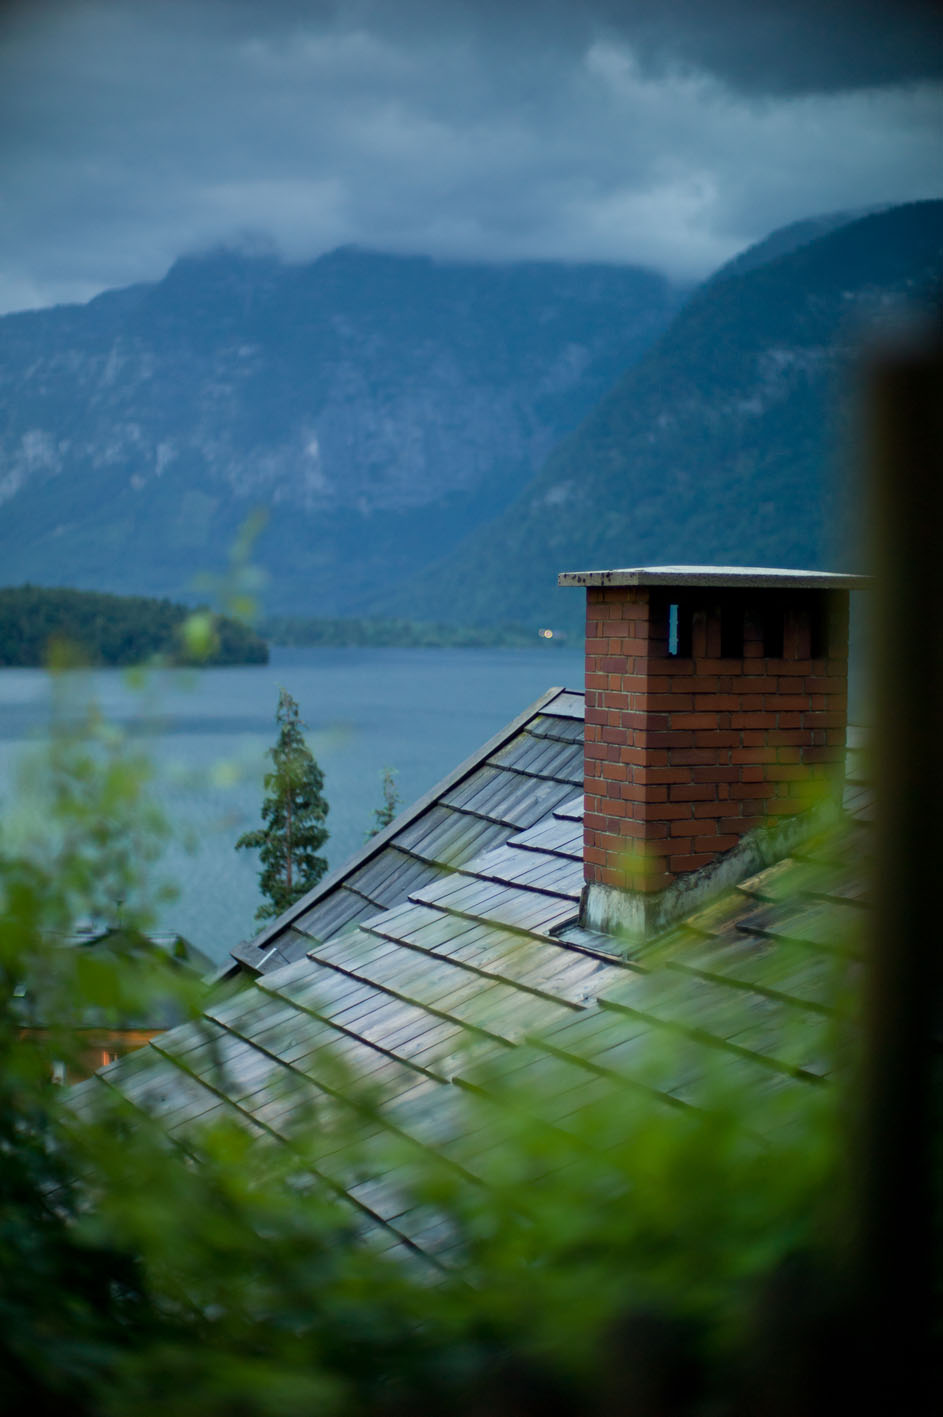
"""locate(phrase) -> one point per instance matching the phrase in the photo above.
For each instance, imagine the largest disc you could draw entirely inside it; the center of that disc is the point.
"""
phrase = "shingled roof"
(520, 778)
(451, 942)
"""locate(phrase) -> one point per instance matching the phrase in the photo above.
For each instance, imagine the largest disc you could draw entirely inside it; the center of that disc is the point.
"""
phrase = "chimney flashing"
(636, 916)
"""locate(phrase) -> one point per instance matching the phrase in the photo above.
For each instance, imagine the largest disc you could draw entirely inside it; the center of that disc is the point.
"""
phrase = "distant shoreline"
(310, 632)
(41, 625)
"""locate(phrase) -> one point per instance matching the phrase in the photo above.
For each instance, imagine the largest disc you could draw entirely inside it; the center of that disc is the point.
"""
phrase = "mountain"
(784, 240)
(376, 406)
(723, 444)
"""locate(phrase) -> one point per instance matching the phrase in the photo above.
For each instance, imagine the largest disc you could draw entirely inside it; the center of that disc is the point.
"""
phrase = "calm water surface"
(419, 711)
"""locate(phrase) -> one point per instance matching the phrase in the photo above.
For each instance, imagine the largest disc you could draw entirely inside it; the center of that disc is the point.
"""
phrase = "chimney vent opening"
(731, 632)
(818, 628)
(774, 631)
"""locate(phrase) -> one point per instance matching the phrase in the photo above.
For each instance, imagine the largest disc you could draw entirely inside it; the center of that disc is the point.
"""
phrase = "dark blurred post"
(898, 1231)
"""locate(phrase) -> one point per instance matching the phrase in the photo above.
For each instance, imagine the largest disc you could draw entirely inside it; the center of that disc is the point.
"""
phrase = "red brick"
(760, 683)
(670, 738)
(689, 862)
(670, 775)
(692, 756)
(716, 701)
(687, 826)
(693, 720)
(748, 789)
(645, 757)
(784, 772)
(710, 665)
(711, 809)
(791, 668)
(753, 720)
(608, 877)
(666, 811)
(716, 773)
(753, 755)
(649, 723)
(639, 797)
(671, 703)
(693, 792)
(718, 843)
(717, 739)
(822, 755)
(783, 806)
(737, 826)
(823, 719)
(698, 684)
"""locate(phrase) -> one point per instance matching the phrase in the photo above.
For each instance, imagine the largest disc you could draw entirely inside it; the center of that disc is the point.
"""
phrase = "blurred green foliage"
(625, 1254)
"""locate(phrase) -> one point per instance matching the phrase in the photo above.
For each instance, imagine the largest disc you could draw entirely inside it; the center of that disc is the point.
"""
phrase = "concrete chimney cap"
(730, 577)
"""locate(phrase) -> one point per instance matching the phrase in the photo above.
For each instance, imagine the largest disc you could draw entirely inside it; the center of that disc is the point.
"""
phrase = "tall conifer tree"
(293, 816)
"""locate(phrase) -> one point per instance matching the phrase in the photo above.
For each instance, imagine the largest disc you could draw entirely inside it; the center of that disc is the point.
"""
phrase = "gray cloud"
(669, 134)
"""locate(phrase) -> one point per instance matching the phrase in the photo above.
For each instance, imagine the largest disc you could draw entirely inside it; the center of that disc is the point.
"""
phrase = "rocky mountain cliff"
(376, 406)
(723, 444)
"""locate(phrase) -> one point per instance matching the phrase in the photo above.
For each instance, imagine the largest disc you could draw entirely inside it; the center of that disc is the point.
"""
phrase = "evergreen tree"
(293, 815)
(385, 813)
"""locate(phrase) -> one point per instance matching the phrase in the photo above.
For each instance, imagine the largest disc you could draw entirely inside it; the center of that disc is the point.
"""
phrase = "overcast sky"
(669, 133)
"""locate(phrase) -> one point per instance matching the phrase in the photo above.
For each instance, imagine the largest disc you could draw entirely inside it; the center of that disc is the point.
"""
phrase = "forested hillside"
(727, 443)
(114, 630)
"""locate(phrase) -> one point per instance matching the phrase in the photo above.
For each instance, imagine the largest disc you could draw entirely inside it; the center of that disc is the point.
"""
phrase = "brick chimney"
(716, 704)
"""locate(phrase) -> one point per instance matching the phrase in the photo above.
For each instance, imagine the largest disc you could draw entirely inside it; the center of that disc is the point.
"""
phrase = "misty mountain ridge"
(732, 440)
(436, 440)
(377, 406)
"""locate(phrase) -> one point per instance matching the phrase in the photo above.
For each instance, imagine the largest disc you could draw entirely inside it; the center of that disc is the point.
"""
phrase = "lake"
(420, 711)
